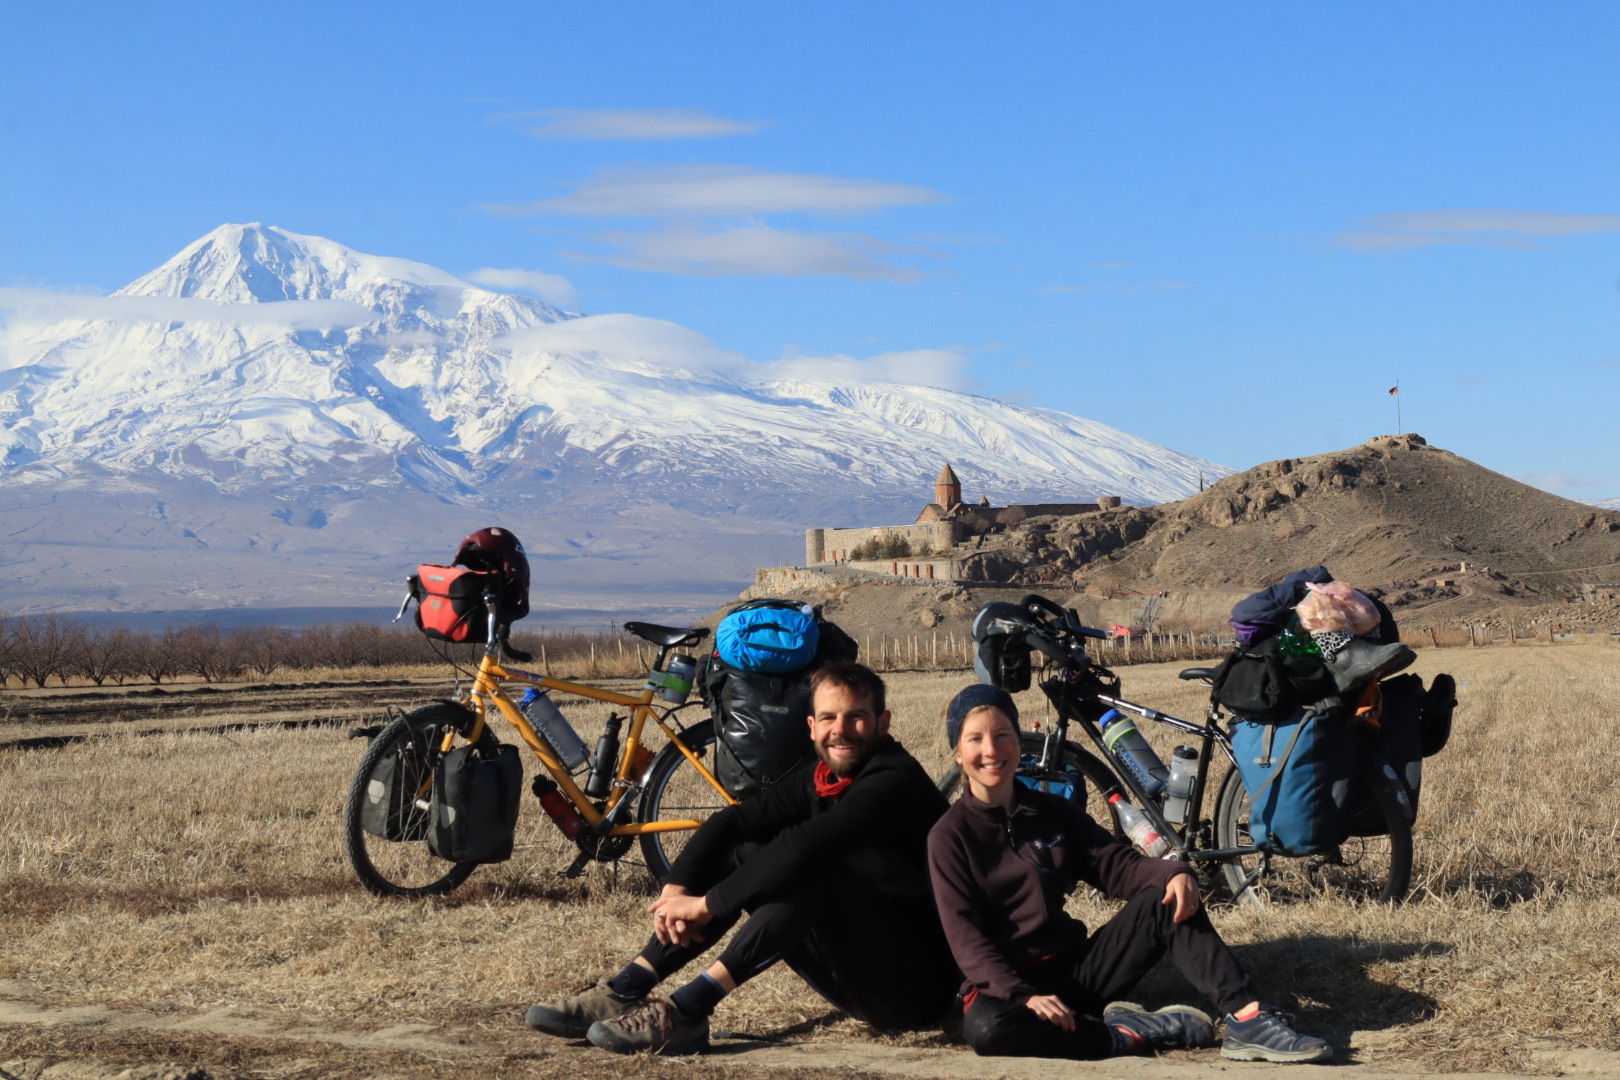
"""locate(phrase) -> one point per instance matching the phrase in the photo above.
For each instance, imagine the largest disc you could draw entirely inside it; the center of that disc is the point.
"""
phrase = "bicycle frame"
(602, 819)
(1065, 697)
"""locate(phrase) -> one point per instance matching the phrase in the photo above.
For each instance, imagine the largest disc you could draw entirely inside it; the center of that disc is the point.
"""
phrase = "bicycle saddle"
(1193, 673)
(668, 635)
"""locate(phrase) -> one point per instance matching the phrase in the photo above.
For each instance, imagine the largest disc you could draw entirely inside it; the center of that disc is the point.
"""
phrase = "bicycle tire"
(1361, 868)
(675, 791)
(1077, 770)
(404, 867)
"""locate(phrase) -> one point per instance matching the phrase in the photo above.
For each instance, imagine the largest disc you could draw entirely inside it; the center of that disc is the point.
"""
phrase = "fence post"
(1432, 639)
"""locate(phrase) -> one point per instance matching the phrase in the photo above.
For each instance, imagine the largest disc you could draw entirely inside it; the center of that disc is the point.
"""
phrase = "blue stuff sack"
(1297, 772)
(774, 636)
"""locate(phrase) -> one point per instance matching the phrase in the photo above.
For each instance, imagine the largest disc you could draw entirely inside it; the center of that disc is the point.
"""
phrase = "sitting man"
(830, 863)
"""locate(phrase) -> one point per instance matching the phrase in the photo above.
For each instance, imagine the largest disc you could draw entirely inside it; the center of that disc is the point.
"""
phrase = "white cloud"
(43, 305)
(637, 339)
(629, 337)
(627, 124)
(926, 367)
(754, 251)
(1512, 229)
(552, 288)
(707, 191)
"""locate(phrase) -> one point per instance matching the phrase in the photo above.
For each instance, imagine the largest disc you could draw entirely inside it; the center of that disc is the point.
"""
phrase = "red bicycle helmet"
(496, 550)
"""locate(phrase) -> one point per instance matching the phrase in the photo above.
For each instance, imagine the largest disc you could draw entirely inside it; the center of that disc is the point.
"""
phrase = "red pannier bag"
(450, 602)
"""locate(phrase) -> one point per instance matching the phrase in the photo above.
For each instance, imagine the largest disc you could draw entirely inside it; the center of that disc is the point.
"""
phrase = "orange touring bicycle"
(621, 795)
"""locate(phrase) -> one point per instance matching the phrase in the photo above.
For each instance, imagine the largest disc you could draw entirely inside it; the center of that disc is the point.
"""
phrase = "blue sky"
(1227, 228)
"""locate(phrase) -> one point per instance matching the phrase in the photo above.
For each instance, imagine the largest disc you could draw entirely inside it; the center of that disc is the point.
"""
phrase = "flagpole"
(1395, 392)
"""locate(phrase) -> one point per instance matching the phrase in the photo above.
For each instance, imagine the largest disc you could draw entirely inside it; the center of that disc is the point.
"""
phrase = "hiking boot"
(1361, 661)
(1268, 1037)
(656, 1028)
(573, 1017)
(1174, 1027)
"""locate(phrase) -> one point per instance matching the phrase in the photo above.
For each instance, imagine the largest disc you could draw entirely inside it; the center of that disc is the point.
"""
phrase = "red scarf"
(829, 787)
(826, 786)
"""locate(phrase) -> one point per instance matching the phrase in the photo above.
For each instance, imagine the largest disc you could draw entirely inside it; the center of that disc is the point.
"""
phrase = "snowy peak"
(261, 264)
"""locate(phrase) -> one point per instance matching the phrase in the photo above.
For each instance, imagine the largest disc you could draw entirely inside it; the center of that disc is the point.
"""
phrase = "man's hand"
(1050, 1007)
(1182, 891)
(677, 914)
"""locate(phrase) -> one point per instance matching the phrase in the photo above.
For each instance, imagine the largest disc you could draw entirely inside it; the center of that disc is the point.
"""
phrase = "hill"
(1443, 540)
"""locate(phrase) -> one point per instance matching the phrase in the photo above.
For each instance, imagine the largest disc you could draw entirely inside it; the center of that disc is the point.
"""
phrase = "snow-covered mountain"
(274, 419)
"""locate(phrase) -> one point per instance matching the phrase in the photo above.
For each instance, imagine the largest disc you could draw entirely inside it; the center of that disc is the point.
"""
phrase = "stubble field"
(182, 897)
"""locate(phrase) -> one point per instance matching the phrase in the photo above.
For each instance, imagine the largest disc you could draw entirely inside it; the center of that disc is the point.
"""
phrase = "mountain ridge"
(262, 390)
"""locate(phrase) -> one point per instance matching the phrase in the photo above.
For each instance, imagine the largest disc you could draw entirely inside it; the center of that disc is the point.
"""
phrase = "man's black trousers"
(878, 958)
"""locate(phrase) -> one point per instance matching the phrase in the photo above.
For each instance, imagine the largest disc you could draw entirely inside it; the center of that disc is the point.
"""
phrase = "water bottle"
(1138, 827)
(554, 728)
(674, 683)
(1178, 793)
(561, 810)
(600, 782)
(1133, 751)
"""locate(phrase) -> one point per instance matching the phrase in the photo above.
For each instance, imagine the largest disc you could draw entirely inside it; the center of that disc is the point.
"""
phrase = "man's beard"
(842, 770)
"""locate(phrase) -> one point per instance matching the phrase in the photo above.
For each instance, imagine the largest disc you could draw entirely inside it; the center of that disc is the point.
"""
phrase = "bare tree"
(105, 653)
(205, 652)
(156, 655)
(43, 646)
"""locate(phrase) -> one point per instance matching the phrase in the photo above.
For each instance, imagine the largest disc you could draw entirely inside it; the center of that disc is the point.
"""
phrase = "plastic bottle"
(1138, 827)
(1133, 751)
(561, 810)
(674, 683)
(1178, 792)
(1292, 641)
(554, 728)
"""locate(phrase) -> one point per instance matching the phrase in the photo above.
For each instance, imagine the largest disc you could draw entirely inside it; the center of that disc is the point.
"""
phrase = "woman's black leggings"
(1113, 961)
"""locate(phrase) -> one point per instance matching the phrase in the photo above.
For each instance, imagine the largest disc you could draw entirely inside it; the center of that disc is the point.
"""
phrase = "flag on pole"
(1396, 389)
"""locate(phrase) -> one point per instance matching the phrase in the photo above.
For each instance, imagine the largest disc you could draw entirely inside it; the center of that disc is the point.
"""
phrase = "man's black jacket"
(878, 829)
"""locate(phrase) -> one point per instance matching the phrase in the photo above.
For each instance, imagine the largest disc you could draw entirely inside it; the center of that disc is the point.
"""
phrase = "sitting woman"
(1003, 859)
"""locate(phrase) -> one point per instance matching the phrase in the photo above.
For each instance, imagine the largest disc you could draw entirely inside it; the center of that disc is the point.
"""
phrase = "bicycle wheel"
(394, 778)
(677, 792)
(1077, 775)
(1362, 868)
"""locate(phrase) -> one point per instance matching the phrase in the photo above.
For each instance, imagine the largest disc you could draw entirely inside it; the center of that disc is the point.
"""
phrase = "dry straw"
(193, 871)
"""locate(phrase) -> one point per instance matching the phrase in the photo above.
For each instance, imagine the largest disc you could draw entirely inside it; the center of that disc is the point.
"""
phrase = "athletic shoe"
(1174, 1027)
(573, 1017)
(1267, 1037)
(656, 1028)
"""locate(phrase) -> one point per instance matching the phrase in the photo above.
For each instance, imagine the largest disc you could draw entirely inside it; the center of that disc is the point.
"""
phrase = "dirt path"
(95, 1042)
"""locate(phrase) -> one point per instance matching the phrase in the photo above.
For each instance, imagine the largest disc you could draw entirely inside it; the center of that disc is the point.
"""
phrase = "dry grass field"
(194, 880)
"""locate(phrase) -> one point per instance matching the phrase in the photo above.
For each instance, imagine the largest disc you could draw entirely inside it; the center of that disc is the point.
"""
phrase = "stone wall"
(835, 545)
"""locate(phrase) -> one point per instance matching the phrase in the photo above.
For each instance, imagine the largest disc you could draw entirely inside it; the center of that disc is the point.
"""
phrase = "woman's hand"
(1182, 891)
(1050, 1007)
(677, 914)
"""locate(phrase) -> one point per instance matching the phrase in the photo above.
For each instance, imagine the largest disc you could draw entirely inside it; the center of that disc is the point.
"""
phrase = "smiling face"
(987, 751)
(845, 728)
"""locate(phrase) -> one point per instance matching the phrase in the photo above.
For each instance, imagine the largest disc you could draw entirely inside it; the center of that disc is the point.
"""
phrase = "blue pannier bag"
(1297, 772)
(770, 636)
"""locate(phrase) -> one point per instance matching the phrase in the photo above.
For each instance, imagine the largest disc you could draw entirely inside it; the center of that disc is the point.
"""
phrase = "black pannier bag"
(761, 718)
(1263, 683)
(1413, 724)
(476, 794)
(390, 809)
